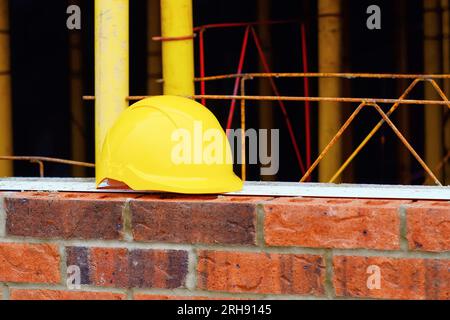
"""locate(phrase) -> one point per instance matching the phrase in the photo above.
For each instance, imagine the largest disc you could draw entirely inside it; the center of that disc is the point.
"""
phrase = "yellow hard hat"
(168, 143)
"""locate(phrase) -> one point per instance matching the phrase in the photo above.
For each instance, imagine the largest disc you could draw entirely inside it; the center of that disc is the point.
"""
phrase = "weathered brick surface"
(24, 294)
(227, 222)
(143, 296)
(123, 268)
(400, 278)
(183, 221)
(428, 226)
(67, 216)
(261, 272)
(332, 223)
(35, 263)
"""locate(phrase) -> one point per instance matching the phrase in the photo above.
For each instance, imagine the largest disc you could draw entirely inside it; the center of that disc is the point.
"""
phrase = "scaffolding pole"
(177, 47)
(6, 145)
(154, 58)
(111, 65)
(433, 65)
(329, 61)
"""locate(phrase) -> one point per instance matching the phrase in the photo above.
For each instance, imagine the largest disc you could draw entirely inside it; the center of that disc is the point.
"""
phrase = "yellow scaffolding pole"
(432, 65)
(6, 167)
(111, 65)
(330, 114)
(177, 47)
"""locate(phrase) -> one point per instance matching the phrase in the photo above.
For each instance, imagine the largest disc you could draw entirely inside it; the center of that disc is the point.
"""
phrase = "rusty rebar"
(406, 143)
(41, 167)
(372, 133)
(315, 99)
(393, 127)
(332, 142)
(381, 122)
(40, 161)
(290, 98)
(244, 24)
(324, 75)
(440, 92)
(363, 102)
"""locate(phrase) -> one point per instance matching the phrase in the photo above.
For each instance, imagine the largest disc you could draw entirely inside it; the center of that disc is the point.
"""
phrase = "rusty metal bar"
(40, 161)
(406, 143)
(440, 92)
(41, 167)
(325, 75)
(187, 37)
(290, 98)
(315, 99)
(363, 102)
(372, 133)
(332, 142)
(244, 24)
(310, 75)
(389, 122)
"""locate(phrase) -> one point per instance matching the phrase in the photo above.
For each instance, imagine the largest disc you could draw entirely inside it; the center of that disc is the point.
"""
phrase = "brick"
(245, 272)
(143, 296)
(66, 216)
(194, 221)
(24, 294)
(428, 226)
(123, 268)
(400, 278)
(36, 263)
(332, 223)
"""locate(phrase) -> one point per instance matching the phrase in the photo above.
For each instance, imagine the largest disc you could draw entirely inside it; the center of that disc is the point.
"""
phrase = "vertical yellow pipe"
(76, 101)
(266, 109)
(6, 167)
(432, 65)
(445, 5)
(330, 53)
(178, 55)
(111, 65)
(154, 58)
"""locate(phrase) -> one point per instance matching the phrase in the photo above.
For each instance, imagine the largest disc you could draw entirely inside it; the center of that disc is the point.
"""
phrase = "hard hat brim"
(208, 185)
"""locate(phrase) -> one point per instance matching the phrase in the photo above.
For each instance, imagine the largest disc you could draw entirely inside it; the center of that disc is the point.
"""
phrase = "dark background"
(40, 74)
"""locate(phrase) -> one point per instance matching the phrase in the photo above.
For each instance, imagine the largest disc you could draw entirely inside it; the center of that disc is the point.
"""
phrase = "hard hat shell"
(139, 149)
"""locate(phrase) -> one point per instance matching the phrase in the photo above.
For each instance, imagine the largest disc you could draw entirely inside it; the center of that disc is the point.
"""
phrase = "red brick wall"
(210, 247)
